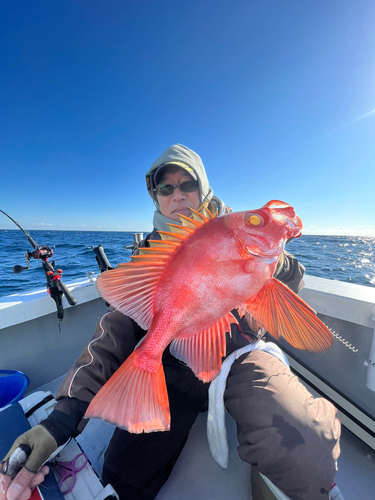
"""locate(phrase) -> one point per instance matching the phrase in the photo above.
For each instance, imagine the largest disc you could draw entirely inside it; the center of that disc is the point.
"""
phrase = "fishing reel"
(55, 287)
(41, 252)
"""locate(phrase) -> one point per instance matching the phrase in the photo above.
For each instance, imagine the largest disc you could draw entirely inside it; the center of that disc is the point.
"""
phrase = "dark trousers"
(137, 465)
(283, 432)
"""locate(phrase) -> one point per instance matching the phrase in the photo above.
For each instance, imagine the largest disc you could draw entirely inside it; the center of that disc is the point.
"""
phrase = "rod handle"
(64, 289)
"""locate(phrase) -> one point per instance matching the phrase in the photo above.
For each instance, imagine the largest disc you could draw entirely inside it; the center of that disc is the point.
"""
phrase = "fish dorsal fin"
(204, 351)
(131, 287)
(180, 230)
(163, 244)
(284, 314)
(189, 223)
(203, 213)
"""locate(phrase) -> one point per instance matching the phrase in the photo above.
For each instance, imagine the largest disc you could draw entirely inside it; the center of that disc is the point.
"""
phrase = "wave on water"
(344, 258)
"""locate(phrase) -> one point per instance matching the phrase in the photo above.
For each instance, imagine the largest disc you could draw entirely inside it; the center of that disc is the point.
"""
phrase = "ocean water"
(344, 258)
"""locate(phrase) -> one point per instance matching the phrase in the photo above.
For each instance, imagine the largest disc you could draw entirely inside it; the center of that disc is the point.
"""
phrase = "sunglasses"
(185, 187)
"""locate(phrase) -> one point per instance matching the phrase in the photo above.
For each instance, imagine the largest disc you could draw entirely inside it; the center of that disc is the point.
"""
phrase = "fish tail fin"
(133, 399)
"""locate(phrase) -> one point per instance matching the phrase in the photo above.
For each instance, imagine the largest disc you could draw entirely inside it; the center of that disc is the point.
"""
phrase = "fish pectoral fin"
(133, 399)
(204, 351)
(131, 289)
(286, 315)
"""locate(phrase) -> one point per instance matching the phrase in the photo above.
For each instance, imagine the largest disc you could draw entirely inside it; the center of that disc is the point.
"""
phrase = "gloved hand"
(26, 457)
(30, 450)
(33, 448)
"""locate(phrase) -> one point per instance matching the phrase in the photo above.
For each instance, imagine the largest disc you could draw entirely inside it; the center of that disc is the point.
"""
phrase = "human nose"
(178, 194)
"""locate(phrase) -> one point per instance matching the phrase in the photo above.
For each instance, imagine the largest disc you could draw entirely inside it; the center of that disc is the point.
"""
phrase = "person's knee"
(258, 387)
(298, 459)
(283, 431)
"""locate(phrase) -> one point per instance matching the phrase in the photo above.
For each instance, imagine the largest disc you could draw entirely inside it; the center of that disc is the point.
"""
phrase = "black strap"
(39, 405)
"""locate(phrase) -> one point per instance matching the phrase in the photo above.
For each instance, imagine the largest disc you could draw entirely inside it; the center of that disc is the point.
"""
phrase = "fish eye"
(254, 220)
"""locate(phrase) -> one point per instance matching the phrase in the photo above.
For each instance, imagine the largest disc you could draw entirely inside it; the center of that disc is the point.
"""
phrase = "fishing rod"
(55, 287)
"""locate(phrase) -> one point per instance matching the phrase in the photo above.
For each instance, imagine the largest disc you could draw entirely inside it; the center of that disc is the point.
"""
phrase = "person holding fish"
(202, 288)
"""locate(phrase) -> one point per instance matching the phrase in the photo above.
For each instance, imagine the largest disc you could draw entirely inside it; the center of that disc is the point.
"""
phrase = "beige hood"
(182, 154)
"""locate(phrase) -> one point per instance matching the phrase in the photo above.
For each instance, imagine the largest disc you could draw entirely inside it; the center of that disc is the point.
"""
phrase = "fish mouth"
(263, 249)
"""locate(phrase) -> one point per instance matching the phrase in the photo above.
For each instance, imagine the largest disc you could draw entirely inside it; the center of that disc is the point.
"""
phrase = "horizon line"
(147, 231)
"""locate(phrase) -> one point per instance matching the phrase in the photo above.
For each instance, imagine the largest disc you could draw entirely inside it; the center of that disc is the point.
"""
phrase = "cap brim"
(185, 167)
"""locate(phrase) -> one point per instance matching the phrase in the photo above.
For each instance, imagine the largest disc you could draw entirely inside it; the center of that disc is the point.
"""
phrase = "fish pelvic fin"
(204, 351)
(131, 288)
(133, 399)
(286, 315)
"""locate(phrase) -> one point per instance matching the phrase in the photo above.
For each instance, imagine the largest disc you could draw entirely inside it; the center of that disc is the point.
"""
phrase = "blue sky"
(278, 98)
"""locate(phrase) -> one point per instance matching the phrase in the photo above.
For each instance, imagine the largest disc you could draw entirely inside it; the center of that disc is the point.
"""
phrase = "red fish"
(182, 290)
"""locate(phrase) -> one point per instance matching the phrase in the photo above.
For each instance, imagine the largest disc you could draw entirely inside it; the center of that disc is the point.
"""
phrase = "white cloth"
(216, 431)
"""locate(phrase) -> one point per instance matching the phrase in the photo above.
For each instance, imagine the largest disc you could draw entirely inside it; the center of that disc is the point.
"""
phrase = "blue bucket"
(12, 386)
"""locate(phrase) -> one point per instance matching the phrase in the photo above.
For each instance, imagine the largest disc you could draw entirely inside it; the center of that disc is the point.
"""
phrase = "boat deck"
(343, 374)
